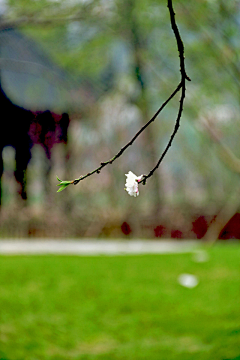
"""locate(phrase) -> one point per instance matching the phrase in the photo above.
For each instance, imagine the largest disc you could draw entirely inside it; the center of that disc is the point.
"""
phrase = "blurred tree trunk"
(228, 210)
(225, 154)
(232, 204)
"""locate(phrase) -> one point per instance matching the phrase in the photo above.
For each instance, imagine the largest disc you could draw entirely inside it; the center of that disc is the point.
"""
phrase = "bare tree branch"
(181, 85)
(184, 76)
(33, 20)
(103, 164)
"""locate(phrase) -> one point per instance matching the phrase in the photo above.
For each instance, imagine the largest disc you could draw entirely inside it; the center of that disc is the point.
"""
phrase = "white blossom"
(132, 183)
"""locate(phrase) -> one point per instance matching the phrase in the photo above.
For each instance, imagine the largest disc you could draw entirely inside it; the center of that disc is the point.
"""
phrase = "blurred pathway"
(95, 247)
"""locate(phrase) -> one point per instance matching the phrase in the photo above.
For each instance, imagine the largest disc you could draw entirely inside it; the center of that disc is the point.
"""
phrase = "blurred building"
(28, 77)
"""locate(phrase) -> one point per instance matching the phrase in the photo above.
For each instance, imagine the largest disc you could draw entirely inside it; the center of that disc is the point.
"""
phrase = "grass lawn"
(124, 307)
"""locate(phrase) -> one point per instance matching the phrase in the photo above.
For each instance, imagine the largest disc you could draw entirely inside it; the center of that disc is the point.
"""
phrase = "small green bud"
(62, 187)
(58, 179)
(63, 184)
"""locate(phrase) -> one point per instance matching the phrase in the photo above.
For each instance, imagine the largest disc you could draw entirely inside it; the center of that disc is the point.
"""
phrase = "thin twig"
(103, 164)
(181, 85)
(184, 76)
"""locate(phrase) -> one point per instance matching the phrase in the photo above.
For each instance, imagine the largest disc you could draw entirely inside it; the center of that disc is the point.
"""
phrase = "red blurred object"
(200, 226)
(159, 231)
(126, 229)
(232, 229)
(176, 234)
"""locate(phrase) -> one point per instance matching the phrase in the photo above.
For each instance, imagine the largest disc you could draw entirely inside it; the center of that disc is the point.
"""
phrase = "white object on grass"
(188, 280)
(132, 183)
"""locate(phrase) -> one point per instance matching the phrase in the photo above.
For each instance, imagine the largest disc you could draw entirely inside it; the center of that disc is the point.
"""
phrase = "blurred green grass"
(124, 307)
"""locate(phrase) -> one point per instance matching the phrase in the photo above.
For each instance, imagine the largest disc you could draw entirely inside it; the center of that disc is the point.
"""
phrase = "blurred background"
(78, 79)
(109, 65)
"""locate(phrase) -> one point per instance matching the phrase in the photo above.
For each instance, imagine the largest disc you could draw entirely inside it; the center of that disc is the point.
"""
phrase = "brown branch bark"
(181, 86)
(184, 76)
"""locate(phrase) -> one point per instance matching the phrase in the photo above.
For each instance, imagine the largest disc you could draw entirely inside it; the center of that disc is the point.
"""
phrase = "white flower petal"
(132, 183)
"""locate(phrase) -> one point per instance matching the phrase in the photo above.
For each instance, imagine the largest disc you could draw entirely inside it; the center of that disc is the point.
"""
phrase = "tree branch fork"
(181, 86)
